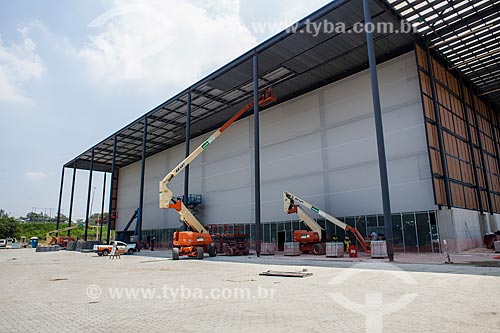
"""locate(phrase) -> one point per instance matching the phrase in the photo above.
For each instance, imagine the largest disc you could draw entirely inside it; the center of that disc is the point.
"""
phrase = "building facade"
(439, 90)
(320, 146)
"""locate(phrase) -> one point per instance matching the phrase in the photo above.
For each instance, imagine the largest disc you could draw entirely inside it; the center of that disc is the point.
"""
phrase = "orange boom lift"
(313, 241)
(198, 241)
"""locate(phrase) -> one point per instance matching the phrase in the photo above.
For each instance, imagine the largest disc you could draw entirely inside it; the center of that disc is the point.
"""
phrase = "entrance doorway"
(281, 240)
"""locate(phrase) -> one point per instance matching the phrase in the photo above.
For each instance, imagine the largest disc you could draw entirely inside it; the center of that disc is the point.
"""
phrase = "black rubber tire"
(317, 249)
(175, 253)
(199, 253)
(130, 251)
(105, 252)
(229, 251)
(212, 251)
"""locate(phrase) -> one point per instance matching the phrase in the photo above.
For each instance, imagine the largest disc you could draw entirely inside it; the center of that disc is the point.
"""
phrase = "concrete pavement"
(68, 291)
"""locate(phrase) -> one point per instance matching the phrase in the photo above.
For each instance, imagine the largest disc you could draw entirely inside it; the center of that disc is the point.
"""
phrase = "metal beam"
(490, 92)
(89, 191)
(475, 18)
(256, 147)
(481, 153)
(102, 205)
(188, 138)
(143, 171)
(60, 201)
(437, 116)
(471, 145)
(384, 182)
(494, 120)
(110, 213)
(72, 196)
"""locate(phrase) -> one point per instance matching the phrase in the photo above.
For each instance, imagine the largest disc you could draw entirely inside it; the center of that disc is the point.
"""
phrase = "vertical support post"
(58, 220)
(384, 182)
(256, 147)
(481, 153)
(188, 138)
(110, 213)
(143, 166)
(494, 119)
(89, 191)
(72, 196)
(444, 164)
(471, 146)
(102, 205)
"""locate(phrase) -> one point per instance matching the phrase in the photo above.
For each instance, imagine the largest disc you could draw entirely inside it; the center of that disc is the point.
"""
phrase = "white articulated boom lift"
(314, 241)
(198, 241)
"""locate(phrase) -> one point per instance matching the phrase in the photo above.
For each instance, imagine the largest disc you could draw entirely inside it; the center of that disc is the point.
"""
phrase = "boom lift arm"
(51, 239)
(290, 207)
(290, 201)
(167, 199)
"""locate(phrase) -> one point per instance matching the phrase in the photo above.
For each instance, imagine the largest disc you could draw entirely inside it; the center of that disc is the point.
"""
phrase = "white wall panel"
(320, 146)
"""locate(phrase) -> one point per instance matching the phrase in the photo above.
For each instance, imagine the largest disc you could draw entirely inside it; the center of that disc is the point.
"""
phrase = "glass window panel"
(340, 232)
(424, 232)
(273, 232)
(410, 232)
(397, 232)
(361, 226)
(436, 245)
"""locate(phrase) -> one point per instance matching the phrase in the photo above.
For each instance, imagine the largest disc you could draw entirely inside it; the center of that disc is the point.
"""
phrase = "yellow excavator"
(198, 241)
(314, 241)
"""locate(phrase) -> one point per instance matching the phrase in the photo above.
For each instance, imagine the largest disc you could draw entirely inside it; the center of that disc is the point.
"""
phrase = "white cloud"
(19, 64)
(300, 9)
(36, 175)
(157, 43)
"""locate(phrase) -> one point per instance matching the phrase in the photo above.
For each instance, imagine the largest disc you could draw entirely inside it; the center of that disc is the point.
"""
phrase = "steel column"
(89, 191)
(188, 138)
(102, 205)
(471, 145)
(60, 201)
(256, 146)
(108, 232)
(444, 164)
(495, 139)
(481, 153)
(143, 166)
(384, 182)
(72, 197)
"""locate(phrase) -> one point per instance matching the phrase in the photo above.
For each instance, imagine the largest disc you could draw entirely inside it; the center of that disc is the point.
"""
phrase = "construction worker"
(347, 243)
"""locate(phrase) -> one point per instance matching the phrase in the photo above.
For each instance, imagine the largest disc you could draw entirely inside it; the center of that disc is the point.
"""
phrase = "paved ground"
(68, 291)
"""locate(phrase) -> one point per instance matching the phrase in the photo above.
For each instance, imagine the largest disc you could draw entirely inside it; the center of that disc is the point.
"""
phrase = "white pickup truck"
(123, 248)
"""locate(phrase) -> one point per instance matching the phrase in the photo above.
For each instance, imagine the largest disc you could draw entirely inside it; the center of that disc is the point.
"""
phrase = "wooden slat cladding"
(470, 140)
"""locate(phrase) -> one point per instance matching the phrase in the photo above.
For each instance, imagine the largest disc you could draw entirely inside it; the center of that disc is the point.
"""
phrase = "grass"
(40, 230)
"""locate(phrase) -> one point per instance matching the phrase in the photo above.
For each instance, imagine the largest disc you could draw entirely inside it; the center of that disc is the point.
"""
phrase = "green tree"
(96, 217)
(3, 214)
(8, 227)
(35, 217)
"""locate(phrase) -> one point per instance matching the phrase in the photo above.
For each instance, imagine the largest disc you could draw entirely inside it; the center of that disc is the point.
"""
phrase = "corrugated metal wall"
(320, 145)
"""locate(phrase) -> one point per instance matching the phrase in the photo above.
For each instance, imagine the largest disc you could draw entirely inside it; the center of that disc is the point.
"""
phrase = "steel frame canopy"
(466, 33)
(292, 63)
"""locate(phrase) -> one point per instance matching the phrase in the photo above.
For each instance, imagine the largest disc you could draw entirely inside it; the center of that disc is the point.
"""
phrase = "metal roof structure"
(295, 62)
(464, 32)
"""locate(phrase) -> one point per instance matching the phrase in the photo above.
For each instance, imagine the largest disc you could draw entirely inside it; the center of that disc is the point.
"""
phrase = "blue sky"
(73, 72)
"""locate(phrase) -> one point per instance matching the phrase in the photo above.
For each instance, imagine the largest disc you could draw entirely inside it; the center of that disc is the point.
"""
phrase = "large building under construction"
(439, 95)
